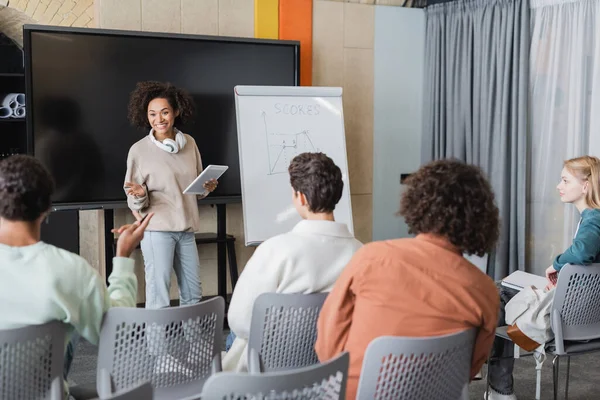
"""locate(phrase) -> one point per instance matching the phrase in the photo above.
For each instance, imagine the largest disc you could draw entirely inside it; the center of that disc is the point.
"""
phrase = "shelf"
(13, 74)
(12, 120)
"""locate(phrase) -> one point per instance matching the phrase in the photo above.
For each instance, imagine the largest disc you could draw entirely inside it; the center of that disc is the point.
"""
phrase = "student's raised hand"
(133, 189)
(131, 235)
(211, 185)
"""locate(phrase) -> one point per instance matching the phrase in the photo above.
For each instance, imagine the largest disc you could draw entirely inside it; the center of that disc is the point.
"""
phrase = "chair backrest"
(479, 262)
(143, 391)
(32, 362)
(576, 306)
(425, 368)
(317, 382)
(174, 348)
(283, 331)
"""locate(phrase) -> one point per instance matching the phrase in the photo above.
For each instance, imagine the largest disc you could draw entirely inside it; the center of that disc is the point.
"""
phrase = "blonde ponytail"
(587, 169)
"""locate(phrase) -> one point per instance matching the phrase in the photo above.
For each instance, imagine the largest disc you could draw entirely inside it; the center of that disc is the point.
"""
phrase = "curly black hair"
(147, 91)
(26, 188)
(452, 199)
(317, 177)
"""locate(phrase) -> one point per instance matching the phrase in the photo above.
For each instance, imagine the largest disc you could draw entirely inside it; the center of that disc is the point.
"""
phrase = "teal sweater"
(585, 248)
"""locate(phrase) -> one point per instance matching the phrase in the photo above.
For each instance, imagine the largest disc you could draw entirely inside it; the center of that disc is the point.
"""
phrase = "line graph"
(283, 147)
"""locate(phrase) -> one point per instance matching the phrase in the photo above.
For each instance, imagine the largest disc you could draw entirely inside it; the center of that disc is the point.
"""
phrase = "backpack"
(528, 317)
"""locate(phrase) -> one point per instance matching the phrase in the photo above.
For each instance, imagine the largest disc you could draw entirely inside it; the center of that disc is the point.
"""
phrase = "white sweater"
(307, 259)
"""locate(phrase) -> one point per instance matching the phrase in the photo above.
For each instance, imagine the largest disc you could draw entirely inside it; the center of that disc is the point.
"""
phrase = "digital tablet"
(210, 172)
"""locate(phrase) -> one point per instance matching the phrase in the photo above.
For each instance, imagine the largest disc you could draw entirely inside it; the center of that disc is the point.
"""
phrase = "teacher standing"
(159, 167)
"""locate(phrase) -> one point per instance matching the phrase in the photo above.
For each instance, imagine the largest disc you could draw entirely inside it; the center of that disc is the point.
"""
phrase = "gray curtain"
(476, 105)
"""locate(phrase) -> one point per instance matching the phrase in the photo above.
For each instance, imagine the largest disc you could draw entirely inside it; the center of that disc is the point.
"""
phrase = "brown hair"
(317, 177)
(587, 169)
(25, 188)
(145, 92)
(454, 200)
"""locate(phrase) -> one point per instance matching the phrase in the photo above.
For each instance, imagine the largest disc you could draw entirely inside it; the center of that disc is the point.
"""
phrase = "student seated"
(579, 185)
(307, 259)
(40, 283)
(420, 286)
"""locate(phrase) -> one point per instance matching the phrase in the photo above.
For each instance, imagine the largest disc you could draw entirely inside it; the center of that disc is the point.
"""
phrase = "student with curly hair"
(159, 167)
(420, 286)
(39, 282)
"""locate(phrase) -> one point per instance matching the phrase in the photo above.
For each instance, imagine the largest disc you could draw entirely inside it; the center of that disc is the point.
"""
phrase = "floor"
(584, 383)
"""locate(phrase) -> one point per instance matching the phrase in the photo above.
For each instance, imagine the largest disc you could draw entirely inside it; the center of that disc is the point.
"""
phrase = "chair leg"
(233, 269)
(567, 384)
(487, 378)
(555, 367)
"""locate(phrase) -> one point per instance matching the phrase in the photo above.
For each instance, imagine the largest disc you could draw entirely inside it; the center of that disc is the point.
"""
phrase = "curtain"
(564, 89)
(476, 105)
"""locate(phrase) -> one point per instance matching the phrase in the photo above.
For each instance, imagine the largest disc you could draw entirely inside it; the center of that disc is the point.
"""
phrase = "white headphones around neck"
(170, 145)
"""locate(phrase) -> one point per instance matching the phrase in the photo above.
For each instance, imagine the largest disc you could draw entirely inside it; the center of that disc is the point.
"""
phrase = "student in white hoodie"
(308, 259)
(39, 282)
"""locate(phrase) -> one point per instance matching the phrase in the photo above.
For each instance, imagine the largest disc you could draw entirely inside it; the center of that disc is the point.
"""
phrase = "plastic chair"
(32, 362)
(479, 262)
(424, 368)
(175, 348)
(325, 381)
(143, 391)
(575, 318)
(283, 331)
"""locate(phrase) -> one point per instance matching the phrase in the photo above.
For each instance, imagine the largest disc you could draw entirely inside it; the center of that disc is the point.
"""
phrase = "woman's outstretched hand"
(133, 189)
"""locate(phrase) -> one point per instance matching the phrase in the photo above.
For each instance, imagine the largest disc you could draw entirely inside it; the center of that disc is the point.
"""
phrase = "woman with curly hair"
(159, 167)
(420, 286)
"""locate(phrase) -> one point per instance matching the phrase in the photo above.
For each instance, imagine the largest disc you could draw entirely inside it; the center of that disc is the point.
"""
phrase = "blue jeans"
(229, 340)
(70, 353)
(502, 361)
(164, 252)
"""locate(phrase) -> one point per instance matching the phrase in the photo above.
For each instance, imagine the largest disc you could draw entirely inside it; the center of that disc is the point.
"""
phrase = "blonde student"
(580, 186)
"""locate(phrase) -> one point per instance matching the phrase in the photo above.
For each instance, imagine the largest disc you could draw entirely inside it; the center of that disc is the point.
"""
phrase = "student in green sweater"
(41, 283)
(579, 185)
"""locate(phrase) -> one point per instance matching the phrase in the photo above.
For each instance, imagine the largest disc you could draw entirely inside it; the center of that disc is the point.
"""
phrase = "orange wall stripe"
(266, 19)
(295, 23)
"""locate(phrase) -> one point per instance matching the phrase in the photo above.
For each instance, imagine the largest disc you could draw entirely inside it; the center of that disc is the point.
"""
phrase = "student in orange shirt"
(420, 286)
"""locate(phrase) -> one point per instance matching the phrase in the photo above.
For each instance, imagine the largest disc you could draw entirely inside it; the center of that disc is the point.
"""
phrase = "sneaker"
(491, 394)
(166, 363)
(479, 376)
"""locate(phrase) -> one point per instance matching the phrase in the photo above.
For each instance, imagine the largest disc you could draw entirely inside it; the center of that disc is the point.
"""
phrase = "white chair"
(419, 368)
(325, 381)
(143, 391)
(479, 262)
(174, 348)
(575, 318)
(32, 362)
(283, 331)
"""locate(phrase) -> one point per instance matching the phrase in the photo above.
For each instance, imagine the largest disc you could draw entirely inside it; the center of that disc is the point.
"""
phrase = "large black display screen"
(78, 86)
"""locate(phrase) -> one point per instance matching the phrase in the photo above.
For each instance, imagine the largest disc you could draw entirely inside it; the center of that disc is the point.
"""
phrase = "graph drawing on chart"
(283, 147)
